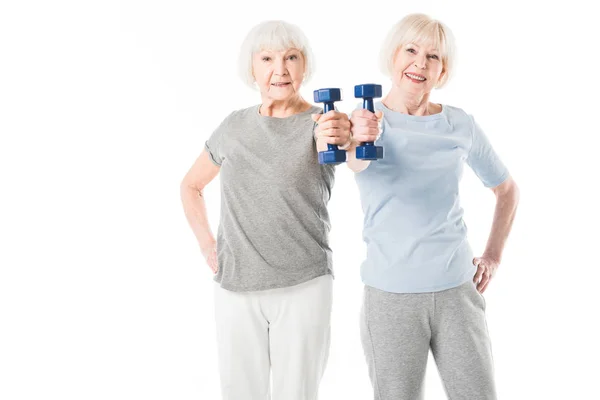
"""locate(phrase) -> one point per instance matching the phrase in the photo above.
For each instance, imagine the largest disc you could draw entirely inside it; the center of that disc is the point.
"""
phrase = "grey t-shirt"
(274, 224)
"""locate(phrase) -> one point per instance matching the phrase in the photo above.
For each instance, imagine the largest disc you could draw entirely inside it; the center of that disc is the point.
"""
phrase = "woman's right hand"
(365, 125)
(210, 255)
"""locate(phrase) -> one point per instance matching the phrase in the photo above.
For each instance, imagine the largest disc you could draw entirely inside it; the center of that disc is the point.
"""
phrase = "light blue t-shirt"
(413, 222)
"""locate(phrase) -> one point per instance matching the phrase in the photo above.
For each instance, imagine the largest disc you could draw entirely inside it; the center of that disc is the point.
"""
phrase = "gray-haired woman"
(423, 287)
(272, 261)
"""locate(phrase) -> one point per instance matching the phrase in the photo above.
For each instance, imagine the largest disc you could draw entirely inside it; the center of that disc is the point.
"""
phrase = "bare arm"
(507, 200)
(200, 174)
(353, 163)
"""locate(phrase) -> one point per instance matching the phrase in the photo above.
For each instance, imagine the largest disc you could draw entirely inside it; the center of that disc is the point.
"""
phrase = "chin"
(282, 96)
(413, 88)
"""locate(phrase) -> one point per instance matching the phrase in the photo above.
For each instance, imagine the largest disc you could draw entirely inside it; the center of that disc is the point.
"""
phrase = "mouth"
(415, 77)
(281, 84)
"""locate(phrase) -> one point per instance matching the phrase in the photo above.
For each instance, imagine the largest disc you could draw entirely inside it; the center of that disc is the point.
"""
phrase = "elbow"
(517, 194)
(183, 186)
(513, 192)
(187, 188)
(507, 191)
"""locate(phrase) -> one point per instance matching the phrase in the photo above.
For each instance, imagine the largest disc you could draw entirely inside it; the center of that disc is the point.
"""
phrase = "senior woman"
(271, 260)
(423, 287)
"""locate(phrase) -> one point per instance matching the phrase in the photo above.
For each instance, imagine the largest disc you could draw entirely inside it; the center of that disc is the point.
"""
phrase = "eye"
(293, 57)
(433, 56)
(266, 58)
(411, 50)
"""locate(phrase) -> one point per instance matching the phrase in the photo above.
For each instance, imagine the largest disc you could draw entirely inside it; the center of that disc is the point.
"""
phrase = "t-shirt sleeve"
(214, 144)
(483, 160)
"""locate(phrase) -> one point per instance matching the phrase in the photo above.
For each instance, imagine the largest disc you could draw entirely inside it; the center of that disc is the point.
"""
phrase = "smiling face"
(417, 68)
(279, 74)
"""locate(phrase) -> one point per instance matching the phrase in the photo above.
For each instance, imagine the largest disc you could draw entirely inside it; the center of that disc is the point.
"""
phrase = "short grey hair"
(277, 36)
(419, 29)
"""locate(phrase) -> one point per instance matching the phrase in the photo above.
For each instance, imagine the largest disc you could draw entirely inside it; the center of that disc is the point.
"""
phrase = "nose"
(421, 62)
(280, 68)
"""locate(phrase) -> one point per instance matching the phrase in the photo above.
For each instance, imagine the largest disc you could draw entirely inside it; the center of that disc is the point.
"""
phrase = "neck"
(282, 108)
(407, 103)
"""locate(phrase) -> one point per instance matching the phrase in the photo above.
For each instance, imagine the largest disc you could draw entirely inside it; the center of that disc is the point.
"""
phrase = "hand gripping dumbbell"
(369, 91)
(332, 155)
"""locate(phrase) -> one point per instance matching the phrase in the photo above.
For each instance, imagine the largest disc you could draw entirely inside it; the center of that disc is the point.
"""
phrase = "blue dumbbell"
(332, 155)
(367, 92)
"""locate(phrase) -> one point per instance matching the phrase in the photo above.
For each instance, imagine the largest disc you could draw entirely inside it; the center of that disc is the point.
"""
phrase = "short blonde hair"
(419, 29)
(277, 36)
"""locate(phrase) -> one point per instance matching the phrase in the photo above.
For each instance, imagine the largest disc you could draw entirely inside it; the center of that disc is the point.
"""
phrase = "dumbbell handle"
(368, 104)
(368, 92)
(328, 106)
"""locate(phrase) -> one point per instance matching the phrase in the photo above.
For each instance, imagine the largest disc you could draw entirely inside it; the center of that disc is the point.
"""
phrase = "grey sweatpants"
(398, 329)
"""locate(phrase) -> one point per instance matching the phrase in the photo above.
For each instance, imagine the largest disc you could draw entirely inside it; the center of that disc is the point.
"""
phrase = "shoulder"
(456, 113)
(458, 118)
(237, 118)
(242, 114)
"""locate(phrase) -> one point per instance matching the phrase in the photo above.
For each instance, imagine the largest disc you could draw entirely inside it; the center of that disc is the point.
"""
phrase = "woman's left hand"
(333, 127)
(486, 269)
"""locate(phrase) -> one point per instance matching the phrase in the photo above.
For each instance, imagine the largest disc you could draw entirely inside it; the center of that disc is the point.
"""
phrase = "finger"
(478, 274)
(379, 115)
(338, 123)
(334, 140)
(359, 121)
(339, 115)
(363, 113)
(329, 115)
(318, 129)
(365, 139)
(316, 117)
(368, 114)
(345, 123)
(213, 260)
(332, 123)
(483, 289)
(331, 132)
(368, 137)
(365, 130)
(484, 280)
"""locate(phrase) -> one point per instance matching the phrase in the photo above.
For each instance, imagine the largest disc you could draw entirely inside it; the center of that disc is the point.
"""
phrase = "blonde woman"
(423, 287)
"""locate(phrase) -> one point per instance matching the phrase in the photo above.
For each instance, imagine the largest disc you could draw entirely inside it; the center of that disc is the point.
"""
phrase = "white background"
(105, 105)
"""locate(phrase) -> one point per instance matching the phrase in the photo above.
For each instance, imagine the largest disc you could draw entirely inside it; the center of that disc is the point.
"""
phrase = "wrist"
(348, 144)
(208, 246)
(496, 258)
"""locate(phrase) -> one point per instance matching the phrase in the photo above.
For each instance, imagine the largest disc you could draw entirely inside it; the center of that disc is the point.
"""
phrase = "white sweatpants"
(284, 331)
